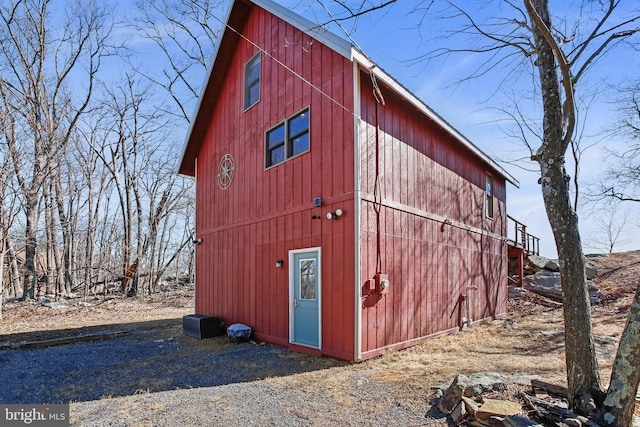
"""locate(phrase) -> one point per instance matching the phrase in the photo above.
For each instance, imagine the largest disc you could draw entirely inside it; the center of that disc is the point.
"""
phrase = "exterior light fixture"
(335, 214)
(280, 263)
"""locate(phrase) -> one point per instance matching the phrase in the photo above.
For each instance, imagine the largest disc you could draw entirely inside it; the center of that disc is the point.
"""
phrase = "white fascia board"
(380, 74)
(312, 29)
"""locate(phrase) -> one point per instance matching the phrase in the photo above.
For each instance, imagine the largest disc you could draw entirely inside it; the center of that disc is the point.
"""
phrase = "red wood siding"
(426, 177)
(266, 213)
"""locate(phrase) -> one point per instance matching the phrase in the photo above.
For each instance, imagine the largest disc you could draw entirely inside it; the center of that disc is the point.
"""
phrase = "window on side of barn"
(489, 196)
(287, 139)
(252, 81)
(275, 147)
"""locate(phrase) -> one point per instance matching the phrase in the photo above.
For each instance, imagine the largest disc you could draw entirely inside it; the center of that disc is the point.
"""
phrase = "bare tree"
(621, 182)
(91, 196)
(42, 69)
(121, 151)
(6, 217)
(611, 221)
(168, 231)
(186, 33)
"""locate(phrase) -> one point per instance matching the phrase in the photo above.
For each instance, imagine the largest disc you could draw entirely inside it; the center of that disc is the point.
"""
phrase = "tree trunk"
(2, 252)
(583, 379)
(3, 249)
(14, 271)
(625, 376)
(31, 275)
(582, 366)
(66, 277)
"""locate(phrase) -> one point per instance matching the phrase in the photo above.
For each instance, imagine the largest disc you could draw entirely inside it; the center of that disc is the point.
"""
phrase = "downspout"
(357, 213)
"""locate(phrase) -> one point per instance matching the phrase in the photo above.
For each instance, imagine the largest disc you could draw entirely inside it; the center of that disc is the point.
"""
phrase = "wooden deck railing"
(529, 242)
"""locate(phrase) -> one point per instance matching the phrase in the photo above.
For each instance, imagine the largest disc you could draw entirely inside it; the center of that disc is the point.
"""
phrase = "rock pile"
(541, 276)
(466, 403)
(463, 401)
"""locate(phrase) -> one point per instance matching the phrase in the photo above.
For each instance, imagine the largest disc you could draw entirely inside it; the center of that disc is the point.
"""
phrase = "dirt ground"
(529, 341)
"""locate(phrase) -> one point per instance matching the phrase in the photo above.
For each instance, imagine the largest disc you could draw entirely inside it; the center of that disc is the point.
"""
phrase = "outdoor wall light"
(335, 214)
(197, 241)
(280, 263)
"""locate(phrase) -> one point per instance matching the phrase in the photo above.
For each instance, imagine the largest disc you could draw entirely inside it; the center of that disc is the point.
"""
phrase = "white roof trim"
(380, 74)
(312, 29)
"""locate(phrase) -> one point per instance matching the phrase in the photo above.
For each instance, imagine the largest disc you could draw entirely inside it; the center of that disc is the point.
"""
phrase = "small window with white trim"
(252, 81)
(489, 196)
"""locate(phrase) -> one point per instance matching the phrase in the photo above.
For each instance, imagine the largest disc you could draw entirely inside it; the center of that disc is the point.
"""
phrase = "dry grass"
(41, 322)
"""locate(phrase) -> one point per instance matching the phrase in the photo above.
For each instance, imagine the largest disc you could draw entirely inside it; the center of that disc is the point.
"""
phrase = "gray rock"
(519, 421)
(453, 395)
(515, 292)
(590, 270)
(552, 265)
(547, 284)
(484, 382)
(473, 385)
(436, 396)
(596, 255)
(510, 324)
(535, 262)
(54, 304)
(459, 413)
(522, 379)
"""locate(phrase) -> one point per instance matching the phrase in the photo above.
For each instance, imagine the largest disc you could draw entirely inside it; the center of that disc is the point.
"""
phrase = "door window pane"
(308, 278)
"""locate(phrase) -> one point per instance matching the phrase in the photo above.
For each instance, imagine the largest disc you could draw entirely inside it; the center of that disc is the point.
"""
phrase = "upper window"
(288, 139)
(489, 196)
(252, 81)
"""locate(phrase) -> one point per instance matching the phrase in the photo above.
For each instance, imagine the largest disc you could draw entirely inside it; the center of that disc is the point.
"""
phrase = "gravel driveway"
(145, 359)
(156, 376)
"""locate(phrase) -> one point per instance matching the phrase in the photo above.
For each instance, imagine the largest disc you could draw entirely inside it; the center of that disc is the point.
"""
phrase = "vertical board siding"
(266, 213)
(425, 177)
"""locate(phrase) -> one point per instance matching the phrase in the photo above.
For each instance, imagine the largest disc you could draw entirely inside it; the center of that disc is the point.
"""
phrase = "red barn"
(337, 214)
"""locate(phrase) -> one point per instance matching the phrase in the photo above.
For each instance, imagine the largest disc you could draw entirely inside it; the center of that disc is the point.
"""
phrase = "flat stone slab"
(497, 408)
(548, 284)
(55, 305)
(69, 340)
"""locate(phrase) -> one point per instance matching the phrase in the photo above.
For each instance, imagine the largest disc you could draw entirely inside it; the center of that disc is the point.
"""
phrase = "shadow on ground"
(150, 357)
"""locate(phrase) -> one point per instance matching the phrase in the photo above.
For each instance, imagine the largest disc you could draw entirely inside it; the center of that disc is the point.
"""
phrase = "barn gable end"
(316, 182)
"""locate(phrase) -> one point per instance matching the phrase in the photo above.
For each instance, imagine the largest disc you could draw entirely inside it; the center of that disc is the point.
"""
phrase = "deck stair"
(520, 244)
